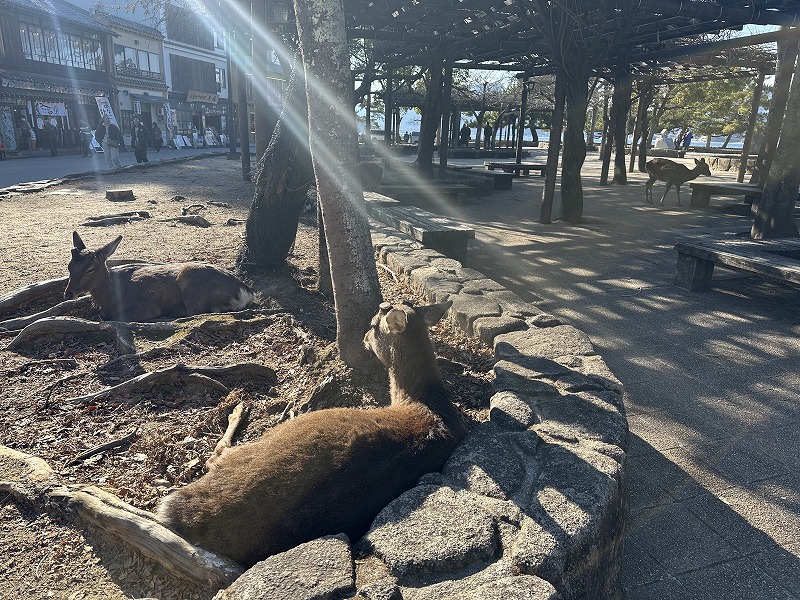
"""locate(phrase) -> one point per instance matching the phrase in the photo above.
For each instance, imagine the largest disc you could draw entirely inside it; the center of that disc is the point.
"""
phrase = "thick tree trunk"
(431, 113)
(553, 150)
(576, 91)
(332, 136)
(284, 176)
(265, 115)
(621, 106)
(773, 213)
(645, 133)
(787, 56)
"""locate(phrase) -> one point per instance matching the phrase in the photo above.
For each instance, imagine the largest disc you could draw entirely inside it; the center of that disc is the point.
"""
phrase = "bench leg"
(700, 198)
(693, 273)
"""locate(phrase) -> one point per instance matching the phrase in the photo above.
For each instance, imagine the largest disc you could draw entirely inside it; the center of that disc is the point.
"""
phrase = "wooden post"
(523, 108)
(388, 109)
(751, 125)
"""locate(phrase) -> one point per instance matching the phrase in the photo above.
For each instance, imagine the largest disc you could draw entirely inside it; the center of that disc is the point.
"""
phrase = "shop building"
(138, 71)
(54, 61)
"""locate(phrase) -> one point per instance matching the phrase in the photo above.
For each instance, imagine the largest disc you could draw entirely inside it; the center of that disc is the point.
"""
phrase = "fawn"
(673, 173)
(328, 471)
(140, 292)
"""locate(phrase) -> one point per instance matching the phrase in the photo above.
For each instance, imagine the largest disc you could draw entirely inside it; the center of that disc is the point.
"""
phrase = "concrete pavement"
(711, 379)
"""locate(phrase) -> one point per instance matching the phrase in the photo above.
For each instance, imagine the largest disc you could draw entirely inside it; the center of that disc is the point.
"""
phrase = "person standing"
(85, 138)
(51, 137)
(110, 137)
(487, 136)
(464, 135)
(140, 137)
(687, 140)
(157, 141)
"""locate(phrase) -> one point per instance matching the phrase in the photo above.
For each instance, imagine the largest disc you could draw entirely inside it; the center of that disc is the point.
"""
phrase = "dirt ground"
(44, 553)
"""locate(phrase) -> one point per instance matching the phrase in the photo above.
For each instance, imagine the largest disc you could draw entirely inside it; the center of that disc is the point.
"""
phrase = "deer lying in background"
(673, 173)
(328, 471)
(140, 292)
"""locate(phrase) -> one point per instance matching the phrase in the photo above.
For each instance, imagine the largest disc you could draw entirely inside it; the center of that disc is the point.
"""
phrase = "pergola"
(665, 39)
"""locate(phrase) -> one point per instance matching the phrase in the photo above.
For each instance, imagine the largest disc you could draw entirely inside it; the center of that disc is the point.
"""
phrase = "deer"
(663, 169)
(145, 292)
(332, 470)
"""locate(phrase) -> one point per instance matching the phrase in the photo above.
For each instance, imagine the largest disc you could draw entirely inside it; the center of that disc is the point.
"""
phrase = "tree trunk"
(751, 127)
(284, 176)
(576, 93)
(553, 150)
(332, 137)
(645, 100)
(430, 117)
(265, 115)
(787, 56)
(773, 213)
(621, 106)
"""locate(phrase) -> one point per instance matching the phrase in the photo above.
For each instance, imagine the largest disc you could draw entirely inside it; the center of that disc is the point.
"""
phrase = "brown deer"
(663, 169)
(328, 471)
(141, 292)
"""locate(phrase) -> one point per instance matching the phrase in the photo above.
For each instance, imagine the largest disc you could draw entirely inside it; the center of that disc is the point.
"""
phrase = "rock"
(486, 463)
(430, 530)
(468, 307)
(510, 410)
(513, 305)
(318, 570)
(550, 342)
(587, 414)
(488, 328)
(514, 377)
(383, 589)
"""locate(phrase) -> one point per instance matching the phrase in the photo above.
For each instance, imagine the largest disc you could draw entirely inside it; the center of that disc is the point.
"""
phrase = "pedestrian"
(157, 140)
(2, 151)
(464, 135)
(110, 137)
(140, 137)
(50, 137)
(33, 138)
(85, 138)
(487, 136)
(687, 140)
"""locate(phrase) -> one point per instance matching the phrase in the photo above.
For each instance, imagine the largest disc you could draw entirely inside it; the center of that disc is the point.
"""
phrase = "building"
(138, 71)
(54, 61)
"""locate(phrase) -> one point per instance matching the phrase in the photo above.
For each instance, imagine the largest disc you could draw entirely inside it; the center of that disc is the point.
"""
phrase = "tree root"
(195, 220)
(33, 482)
(124, 440)
(119, 219)
(71, 307)
(235, 420)
(29, 294)
(211, 377)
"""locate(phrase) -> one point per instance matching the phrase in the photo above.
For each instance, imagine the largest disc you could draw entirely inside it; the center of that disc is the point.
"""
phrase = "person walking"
(51, 138)
(157, 141)
(687, 140)
(464, 135)
(140, 137)
(487, 136)
(85, 138)
(111, 138)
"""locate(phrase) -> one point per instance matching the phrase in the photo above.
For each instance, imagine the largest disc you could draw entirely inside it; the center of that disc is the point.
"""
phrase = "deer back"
(144, 292)
(326, 472)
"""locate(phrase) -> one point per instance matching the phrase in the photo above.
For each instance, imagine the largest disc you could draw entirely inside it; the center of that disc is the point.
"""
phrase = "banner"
(104, 106)
(168, 117)
(208, 97)
(51, 109)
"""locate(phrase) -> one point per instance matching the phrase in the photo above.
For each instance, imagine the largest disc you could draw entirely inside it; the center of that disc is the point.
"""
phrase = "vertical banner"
(168, 116)
(104, 106)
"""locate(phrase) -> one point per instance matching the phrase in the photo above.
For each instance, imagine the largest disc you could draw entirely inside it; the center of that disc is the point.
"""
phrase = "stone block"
(513, 305)
(511, 411)
(488, 328)
(431, 530)
(468, 307)
(550, 342)
(316, 570)
(586, 414)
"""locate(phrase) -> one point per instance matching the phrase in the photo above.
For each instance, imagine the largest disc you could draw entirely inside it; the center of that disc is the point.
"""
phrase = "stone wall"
(531, 505)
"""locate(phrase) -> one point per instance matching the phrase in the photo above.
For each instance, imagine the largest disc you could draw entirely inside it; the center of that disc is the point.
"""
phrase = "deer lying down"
(663, 169)
(146, 292)
(329, 471)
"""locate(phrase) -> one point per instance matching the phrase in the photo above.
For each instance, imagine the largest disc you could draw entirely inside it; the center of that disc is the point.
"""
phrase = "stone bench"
(772, 259)
(437, 232)
(518, 169)
(702, 192)
(502, 181)
(427, 194)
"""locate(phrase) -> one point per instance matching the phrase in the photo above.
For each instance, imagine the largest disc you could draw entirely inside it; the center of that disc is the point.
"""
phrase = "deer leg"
(669, 185)
(678, 191)
(648, 189)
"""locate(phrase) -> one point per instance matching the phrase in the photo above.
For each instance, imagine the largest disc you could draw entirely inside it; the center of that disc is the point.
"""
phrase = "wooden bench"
(437, 232)
(772, 259)
(516, 168)
(703, 190)
(502, 181)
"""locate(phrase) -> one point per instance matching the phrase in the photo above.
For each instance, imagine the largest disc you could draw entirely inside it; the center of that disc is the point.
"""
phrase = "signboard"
(51, 109)
(137, 107)
(168, 116)
(208, 97)
(104, 106)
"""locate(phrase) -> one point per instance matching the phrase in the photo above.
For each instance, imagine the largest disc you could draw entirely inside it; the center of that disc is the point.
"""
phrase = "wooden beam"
(726, 15)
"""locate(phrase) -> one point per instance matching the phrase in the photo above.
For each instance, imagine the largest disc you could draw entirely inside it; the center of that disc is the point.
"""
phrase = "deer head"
(87, 268)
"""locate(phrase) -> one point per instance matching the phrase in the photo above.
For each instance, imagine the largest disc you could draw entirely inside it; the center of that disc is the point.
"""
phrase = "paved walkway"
(711, 380)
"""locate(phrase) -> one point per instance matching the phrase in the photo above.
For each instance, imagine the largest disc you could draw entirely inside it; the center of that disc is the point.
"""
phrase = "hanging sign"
(137, 107)
(51, 109)
(104, 106)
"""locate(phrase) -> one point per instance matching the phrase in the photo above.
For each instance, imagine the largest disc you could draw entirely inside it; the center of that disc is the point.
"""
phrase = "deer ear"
(433, 313)
(109, 248)
(77, 242)
(396, 321)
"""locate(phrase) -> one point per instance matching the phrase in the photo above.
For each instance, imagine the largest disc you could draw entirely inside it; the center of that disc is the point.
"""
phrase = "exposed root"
(68, 307)
(123, 441)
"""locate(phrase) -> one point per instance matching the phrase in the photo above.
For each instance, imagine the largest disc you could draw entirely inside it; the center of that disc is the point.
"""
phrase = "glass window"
(119, 54)
(155, 63)
(25, 36)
